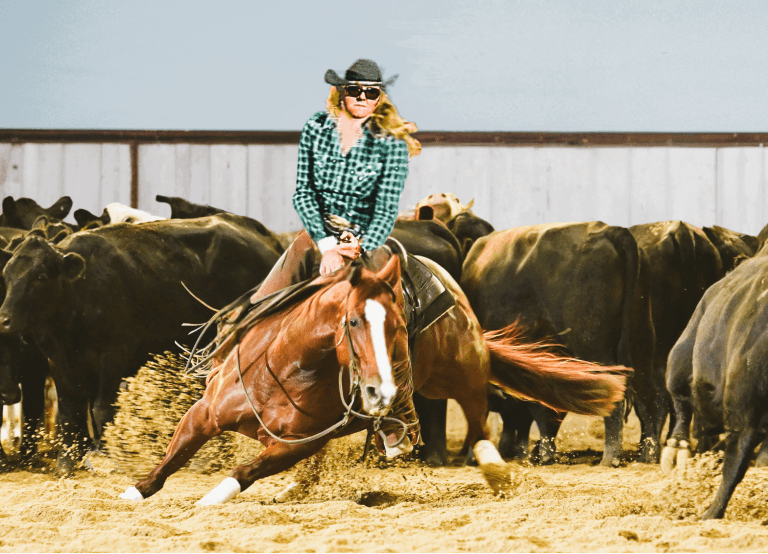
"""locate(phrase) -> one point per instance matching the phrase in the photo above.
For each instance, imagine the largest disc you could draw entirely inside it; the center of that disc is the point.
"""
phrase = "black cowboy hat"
(362, 71)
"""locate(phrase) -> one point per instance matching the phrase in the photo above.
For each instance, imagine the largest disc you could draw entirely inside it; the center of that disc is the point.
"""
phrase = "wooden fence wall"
(514, 178)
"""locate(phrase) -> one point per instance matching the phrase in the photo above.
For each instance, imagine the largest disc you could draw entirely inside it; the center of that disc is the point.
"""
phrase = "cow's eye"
(354, 322)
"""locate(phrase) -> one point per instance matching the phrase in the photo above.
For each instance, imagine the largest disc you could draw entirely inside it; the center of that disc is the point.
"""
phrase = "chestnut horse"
(285, 382)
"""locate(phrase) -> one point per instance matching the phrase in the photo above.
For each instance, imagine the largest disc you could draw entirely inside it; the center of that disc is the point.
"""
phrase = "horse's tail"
(532, 372)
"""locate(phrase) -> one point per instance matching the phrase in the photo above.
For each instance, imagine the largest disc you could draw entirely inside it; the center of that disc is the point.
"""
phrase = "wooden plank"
(5, 162)
(693, 185)
(14, 178)
(82, 175)
(31, 182)
(741, 183)
(648, 182)
(271, 184)
(564, 173)
(609, 190)
(115, 174)
(51, 173)
(157, 173)
(513, 196)
(229, 178)
(200, 175)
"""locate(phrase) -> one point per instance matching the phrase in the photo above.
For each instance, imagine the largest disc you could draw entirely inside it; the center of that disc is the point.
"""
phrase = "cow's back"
(565, 282)
(139, 273)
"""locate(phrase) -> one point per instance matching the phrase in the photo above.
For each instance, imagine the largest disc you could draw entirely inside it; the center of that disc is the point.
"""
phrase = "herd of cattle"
(685, 307)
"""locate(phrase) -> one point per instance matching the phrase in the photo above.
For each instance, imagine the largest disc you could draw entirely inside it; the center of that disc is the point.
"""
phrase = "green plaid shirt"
(363, 187)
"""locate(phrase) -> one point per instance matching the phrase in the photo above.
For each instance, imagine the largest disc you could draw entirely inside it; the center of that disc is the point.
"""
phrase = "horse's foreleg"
(276, 457)
(307, 476)
(193, 431)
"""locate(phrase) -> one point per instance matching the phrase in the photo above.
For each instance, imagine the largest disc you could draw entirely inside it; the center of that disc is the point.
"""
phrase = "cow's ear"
(466, 244)
(74, 266)
(60, 208)
(9, 206)
(84, 217)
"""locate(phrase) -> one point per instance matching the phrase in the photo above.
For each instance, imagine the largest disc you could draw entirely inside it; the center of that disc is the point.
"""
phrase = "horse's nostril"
(6, 322)
(373, 393)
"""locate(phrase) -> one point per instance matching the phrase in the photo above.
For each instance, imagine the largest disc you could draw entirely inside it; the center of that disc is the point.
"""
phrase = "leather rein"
(354, 388)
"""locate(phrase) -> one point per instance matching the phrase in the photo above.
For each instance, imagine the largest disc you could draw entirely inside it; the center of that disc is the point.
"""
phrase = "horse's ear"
(390, 273)
(354, 276)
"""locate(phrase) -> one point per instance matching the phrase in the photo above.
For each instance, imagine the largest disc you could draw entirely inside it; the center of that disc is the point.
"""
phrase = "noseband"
(354, 389)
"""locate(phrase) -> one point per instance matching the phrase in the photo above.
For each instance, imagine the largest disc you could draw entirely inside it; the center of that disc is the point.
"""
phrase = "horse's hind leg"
(192, 432)
(495, 470)
(276, 457)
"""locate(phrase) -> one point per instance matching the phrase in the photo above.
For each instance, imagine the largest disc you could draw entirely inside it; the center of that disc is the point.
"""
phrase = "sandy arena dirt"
(403, 507)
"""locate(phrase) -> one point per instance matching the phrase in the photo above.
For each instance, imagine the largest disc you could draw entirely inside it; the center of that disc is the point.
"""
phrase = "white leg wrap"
(486, 453)
(404, 447)
(226, 491)
(132, 493)
(294, 491)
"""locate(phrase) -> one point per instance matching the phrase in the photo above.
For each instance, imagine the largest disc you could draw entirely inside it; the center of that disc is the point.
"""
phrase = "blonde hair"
(384, 119)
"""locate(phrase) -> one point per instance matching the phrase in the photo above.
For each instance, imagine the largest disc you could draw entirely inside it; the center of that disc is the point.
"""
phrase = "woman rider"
(353, 161)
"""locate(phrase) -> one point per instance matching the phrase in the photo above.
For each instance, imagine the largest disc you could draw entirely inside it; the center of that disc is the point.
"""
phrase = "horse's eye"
(354, 322)
(42, 277)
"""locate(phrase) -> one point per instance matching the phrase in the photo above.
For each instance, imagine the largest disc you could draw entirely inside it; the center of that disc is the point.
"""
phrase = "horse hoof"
(405, 447)
(668, 456)
(495, 470)
(291, 493)
(132, 493)
(226, 491)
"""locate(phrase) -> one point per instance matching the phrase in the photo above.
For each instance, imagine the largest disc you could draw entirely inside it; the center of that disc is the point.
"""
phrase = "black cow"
(184, 209)
(719, 370)
(101, 301)
(432, 240)
(683, 264)
(24, 212)
(582, 287)
(23, 369)
(467, 228)
(733, 246)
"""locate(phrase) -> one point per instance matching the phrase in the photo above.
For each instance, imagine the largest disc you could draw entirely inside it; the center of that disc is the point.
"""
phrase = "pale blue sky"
(484, 65)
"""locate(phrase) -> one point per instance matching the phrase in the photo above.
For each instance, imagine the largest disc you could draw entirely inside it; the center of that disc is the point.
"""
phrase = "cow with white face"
(120, 213)
(442, 207)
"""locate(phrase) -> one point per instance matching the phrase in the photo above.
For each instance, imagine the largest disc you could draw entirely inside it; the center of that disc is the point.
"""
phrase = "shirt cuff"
(326, 244)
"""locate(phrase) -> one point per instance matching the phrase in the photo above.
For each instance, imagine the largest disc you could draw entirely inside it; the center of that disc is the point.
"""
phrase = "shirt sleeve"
(305, 198)
(390, 187)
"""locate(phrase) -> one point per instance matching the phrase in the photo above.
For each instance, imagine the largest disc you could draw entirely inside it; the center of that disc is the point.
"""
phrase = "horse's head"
(373, 339)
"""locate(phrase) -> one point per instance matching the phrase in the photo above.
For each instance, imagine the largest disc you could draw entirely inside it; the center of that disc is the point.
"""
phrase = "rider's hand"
(331, 261)
(348, 246)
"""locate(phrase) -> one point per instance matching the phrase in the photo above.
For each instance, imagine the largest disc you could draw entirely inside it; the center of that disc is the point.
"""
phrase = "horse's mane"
(235, 319)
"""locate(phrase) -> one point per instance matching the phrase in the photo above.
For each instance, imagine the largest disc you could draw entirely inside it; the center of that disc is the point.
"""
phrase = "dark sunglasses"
(355, 91)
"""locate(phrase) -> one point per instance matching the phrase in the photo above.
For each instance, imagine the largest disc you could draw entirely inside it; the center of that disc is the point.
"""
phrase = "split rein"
(350, 412)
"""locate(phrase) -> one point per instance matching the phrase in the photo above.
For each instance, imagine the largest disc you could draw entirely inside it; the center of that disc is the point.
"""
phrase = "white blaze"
(375, 313)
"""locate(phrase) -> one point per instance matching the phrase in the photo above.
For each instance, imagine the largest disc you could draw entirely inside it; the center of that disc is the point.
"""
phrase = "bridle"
(354, 388)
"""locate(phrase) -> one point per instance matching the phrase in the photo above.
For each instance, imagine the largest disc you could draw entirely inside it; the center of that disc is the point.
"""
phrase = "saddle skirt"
(426, 298)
